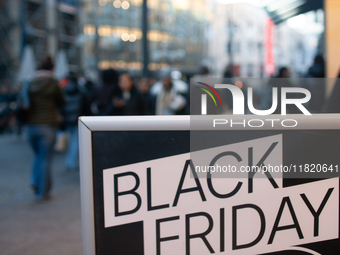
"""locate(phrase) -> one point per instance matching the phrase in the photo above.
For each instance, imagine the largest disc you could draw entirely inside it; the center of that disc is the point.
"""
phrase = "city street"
(260, 79)
(28, 227)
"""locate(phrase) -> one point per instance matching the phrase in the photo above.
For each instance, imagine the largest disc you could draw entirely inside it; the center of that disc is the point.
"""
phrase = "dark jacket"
(150, 103)
(76, 103)
(45, 100)
(317, 87)
(102, 96)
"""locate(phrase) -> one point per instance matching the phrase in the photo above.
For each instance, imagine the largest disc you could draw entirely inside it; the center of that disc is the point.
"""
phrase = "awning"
(281, 10)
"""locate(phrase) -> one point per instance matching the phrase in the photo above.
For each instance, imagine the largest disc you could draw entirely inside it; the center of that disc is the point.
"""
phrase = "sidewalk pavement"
(28, 227)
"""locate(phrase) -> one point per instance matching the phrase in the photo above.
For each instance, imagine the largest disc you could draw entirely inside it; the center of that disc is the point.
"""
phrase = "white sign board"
(143, 193)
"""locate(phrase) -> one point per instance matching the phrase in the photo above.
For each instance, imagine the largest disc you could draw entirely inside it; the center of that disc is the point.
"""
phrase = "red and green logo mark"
(209, 93)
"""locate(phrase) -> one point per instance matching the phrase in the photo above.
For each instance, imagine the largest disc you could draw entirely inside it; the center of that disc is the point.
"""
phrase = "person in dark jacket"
(317, 70)
(76, 105)
(279, 82)
(41, 125)
(149, 100)
(317, 87)
(126, 99)
(104, 91)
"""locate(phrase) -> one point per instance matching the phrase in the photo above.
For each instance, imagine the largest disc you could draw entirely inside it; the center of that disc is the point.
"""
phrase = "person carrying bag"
(41, 124)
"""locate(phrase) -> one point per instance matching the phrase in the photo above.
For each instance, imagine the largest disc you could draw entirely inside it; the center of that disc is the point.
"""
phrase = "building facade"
(238, 39)
(177, 34)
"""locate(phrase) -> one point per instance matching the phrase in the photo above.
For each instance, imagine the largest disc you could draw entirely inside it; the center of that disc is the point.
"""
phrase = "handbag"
(61, 142)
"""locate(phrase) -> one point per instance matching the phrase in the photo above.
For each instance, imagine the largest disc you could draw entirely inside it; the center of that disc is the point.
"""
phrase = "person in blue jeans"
(76, 104)
(72, 157)
(43, 119)
(41, 138)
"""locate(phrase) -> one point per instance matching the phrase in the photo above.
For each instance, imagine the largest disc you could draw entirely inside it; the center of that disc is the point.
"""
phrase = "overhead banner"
(146, 189)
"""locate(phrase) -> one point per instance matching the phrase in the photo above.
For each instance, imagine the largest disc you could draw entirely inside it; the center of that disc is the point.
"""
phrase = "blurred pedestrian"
(317, 87)
(317, 70)
(228, 72)
(283, 73)
(104, 91)
(280, 81)
(204, 71)
(86, 86)
(43, 119)
(126, 99)
(143, 86)
(7, 107)
(170, 95)
(76, 105)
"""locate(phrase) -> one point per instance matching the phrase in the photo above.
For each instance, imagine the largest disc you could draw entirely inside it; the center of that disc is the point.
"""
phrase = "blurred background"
(254, 38)
(132, 57)
(219, 38)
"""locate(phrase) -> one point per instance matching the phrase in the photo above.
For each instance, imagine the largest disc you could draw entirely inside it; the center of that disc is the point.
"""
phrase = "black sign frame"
(92, 132)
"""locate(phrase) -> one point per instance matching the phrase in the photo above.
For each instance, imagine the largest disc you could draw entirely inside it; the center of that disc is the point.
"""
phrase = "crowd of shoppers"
(47, 107)
(53, 106)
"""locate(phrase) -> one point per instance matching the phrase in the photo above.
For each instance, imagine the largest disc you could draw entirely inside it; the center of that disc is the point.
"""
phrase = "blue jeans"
(72, 158)
(41, 138)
